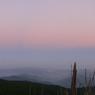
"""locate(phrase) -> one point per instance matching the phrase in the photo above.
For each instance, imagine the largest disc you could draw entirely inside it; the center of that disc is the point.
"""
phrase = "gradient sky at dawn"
(47, 33)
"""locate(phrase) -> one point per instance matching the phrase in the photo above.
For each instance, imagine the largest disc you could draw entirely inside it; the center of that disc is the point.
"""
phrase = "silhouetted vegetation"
(23, 88)
(27, 88)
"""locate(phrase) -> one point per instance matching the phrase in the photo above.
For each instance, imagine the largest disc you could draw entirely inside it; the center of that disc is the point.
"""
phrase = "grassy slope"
(22, 88)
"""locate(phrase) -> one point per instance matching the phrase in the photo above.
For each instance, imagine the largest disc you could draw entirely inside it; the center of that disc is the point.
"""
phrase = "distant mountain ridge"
(67, 81)
(26, 78)
(44, 76)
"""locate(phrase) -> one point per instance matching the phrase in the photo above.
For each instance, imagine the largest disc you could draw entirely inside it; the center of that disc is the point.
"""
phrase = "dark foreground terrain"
(30, 88)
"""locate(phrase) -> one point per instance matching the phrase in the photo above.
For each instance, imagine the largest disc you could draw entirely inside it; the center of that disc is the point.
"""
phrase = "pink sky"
(39, 32)
(63, 23)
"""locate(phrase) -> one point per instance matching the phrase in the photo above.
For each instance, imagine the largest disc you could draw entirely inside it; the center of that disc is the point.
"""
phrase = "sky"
(47, 33)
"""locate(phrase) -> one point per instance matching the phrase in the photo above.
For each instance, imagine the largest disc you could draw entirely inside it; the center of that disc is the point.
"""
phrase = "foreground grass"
(29, 88)
(26, 88)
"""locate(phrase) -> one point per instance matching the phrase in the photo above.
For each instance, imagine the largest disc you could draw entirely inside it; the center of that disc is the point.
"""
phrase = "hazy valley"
(44, 76)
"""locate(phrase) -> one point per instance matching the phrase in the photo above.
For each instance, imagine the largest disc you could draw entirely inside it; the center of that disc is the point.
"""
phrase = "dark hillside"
(23, 88)
(30, 88)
